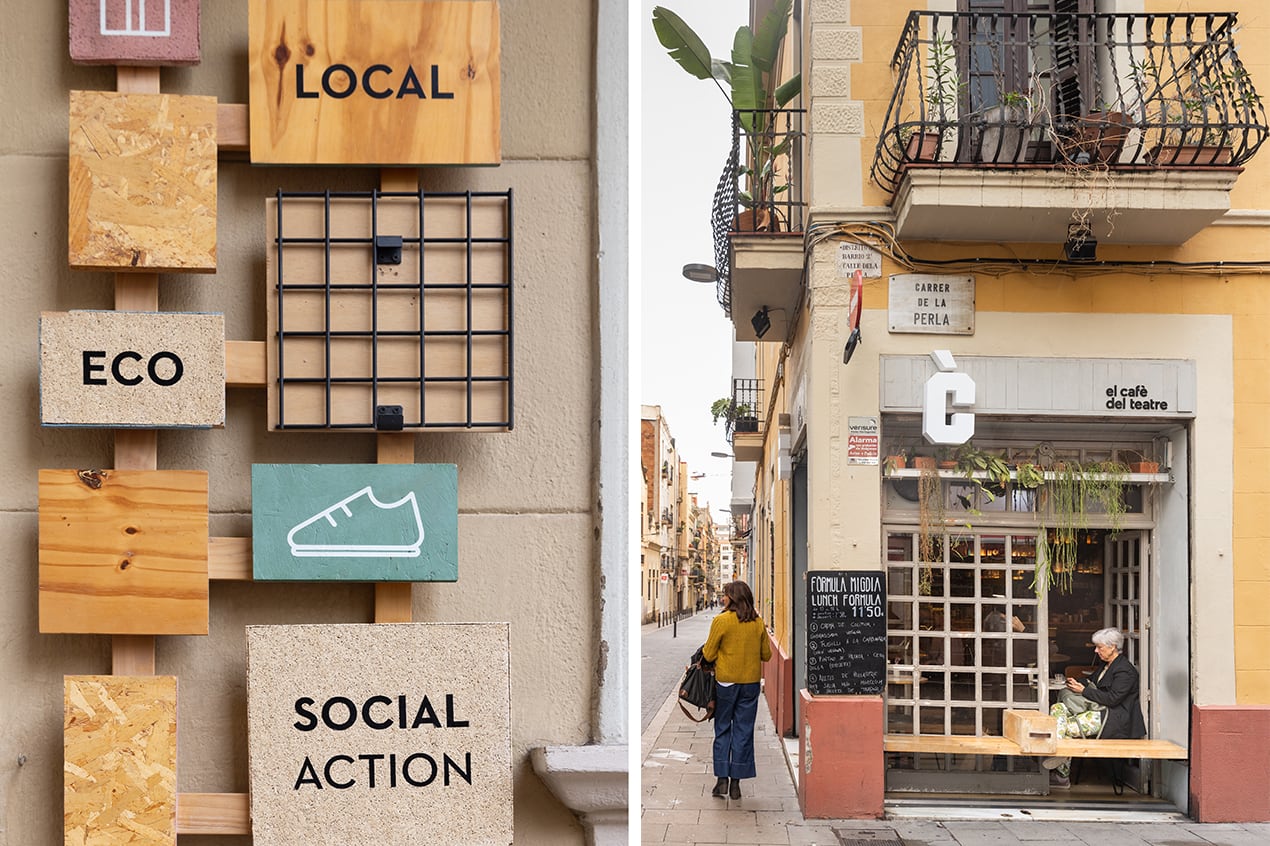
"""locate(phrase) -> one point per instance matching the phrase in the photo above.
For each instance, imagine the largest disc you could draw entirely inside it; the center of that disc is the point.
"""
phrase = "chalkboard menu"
(846, 632)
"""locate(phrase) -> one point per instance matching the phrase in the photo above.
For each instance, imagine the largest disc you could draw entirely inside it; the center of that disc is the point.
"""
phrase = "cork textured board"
(123, 551)
(355, 522)
(142, 182)
(119, 770)
(432, 334)
(132, 369)
(134, 32)
(400, 728)
(374, 82)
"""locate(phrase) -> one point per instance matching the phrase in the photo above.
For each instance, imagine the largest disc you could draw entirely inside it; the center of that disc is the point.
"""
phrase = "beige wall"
(526, 499)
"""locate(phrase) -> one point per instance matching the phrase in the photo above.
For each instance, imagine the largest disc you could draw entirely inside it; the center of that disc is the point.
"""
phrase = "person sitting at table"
(1113, 684)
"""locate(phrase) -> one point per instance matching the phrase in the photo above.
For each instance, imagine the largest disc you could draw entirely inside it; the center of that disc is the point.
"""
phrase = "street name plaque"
(402, 729)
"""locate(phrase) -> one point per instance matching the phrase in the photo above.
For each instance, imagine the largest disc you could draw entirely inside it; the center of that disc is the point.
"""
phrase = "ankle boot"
(734, 789)
(720, 788)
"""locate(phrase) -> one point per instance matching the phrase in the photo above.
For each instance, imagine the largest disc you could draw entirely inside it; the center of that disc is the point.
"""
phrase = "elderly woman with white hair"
(1113, 684)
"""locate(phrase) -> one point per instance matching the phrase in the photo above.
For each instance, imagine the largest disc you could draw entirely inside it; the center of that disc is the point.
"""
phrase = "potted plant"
(739, 417)
(943, 94)
(754, 94)
(1096, 137)
(1006, 129)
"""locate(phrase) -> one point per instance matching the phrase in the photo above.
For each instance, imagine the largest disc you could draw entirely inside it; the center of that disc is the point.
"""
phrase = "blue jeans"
(734, 715)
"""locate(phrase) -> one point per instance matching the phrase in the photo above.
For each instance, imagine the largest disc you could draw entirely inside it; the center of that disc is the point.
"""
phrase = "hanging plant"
(1028, 475)
(930, 511)
(1104, 484)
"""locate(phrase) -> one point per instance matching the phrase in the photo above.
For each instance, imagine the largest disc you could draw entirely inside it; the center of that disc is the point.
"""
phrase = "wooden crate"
(1034, 732)
(374, 82)
(123, 551)
(119, 774)
(142, 182)
(372, 330)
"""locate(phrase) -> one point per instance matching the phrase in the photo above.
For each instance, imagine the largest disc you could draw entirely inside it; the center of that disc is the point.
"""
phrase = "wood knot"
(92, 478)
(125, 564)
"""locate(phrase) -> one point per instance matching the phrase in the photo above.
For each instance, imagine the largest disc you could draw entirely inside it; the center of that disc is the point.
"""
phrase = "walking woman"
(737, 645)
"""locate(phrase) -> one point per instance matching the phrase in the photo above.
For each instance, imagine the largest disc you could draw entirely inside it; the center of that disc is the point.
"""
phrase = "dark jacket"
(1118, 690)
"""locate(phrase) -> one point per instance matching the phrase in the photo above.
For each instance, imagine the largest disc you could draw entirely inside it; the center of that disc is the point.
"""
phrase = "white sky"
(686, 353)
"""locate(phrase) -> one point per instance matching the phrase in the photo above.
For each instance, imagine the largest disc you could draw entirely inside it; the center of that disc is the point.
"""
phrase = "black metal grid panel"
(746, 411)
(376, 296)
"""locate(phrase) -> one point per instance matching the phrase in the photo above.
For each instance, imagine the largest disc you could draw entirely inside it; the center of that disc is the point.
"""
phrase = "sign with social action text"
(354, 729)
(355, 522)
(132, 369)
(846, 632)
(375, 82)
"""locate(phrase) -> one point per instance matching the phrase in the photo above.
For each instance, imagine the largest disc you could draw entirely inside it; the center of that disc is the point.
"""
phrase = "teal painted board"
(355, 522)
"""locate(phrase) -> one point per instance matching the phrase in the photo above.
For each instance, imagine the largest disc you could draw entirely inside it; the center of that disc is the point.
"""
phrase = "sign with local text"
(363, 733)
(132, 369)
(932, 304)
(374, 82)
(355, 522)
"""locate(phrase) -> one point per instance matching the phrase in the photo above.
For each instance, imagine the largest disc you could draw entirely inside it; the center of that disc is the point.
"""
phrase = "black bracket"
(389, 418)
(387, 249)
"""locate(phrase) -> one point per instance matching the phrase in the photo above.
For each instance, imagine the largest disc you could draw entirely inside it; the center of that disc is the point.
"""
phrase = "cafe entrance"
(970, 635)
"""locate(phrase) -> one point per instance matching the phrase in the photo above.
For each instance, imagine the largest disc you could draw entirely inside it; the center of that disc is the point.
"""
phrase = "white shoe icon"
(318, 536)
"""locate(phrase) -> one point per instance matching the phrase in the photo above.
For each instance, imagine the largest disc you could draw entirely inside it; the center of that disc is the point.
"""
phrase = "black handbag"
(697, 687)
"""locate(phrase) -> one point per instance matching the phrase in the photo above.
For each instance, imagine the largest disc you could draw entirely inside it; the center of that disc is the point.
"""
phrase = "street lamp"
(704, 273)
(722, 455)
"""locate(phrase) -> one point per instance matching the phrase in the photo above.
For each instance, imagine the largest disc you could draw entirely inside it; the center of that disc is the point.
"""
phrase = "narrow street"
(664, 654)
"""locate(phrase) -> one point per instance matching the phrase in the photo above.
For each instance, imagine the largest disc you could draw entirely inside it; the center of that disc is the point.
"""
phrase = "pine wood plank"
(449, 115)
(136, 292)
(394, 602)
(213, 813)
(136, 449)
(1119, 749)
(119, 774)
(123, 551)
(1034, 732)
(245, 364)
(964, 745)
(131, 79)
(229, 559)
(232, 131)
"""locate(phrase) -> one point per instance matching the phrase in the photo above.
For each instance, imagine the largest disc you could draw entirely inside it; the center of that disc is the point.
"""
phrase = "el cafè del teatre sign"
(374, 82)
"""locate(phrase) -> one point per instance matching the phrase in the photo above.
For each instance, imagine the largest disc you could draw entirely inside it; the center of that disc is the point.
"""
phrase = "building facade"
(1023, 239)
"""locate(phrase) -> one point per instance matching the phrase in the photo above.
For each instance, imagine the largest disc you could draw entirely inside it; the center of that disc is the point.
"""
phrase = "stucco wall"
(526, 499)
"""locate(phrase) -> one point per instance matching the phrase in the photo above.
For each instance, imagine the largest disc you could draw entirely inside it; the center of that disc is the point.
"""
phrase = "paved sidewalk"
(678, 809)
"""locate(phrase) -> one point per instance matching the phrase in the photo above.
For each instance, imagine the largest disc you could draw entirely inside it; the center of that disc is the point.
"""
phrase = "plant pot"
(922, 147)
(946, 465)
(1144, 467)
(923, 462)
(758, 219)
(1098, 137)
(1186, 155)
(1004, 136)
(895, 462)
(746, 424)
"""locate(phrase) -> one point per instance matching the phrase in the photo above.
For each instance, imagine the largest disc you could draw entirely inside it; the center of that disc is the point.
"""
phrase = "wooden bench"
(989, 745)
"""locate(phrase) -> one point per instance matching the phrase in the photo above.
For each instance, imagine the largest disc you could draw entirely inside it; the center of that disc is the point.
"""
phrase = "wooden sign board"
(119, 773)
(345, 330)
(123, 551)
(355, 522)
(142, 182)
(846, 632)
(374, 82)
(134, 32)
(354, 729)
(132, 369)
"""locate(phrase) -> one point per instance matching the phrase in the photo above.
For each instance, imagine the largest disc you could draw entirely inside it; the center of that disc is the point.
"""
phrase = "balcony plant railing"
(759, 190)
(745, 414)
(997, 90)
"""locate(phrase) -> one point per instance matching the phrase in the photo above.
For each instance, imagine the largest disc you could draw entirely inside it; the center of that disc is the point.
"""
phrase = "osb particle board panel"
(134, 32)
(142, 182)
(123, 551)
(119, 769)
(132, 369)
(378, 82)
(367, 327)
(406, 725)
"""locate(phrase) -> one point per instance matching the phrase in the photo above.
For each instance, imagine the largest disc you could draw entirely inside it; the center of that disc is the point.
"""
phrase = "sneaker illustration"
(360, 526)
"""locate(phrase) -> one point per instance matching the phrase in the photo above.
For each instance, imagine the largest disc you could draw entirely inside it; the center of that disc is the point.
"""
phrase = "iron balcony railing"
(1124, 91)
(759, 189)
(745, 415)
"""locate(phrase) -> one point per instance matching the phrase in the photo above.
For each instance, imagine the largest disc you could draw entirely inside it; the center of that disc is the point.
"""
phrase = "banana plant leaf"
(684, 45)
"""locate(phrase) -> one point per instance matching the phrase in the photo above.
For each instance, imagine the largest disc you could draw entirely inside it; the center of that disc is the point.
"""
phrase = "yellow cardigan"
(737, 649)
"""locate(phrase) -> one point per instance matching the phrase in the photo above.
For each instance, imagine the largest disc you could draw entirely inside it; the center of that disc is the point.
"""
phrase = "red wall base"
(840, 756)
(1230, 763)
(778, 683)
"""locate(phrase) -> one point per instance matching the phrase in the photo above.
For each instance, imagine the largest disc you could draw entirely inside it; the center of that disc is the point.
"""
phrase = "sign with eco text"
(132, 369)
(355, 522)
(374, 82)
(932, 304)
(371, 728)
(846, 632)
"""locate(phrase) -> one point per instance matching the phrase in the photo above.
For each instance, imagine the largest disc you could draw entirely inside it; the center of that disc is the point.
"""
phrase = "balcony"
(745, 420)
(1007, 127)
(757, 220)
